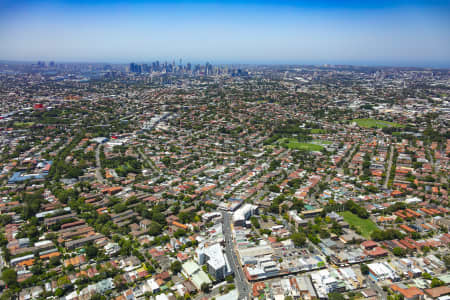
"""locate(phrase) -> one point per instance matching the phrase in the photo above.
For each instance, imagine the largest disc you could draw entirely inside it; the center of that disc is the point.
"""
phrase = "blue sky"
(404, 33)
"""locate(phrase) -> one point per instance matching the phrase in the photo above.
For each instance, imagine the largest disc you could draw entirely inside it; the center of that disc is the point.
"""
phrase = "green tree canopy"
(9, 276)
(175, 267)
(298, 238)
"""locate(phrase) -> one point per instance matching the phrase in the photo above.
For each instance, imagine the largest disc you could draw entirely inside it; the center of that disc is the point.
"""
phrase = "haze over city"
(404, 33)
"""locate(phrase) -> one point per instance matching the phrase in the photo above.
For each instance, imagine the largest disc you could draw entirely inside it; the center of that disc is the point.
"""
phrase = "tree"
(336, 228)
(179, 233)
(5, 219)
(435, 282)
(295, 183)
(7, 295)
(335, 296)
(298, 205)
(229, 278)
(175, 267)
(155, 229)
(120, 207)
(59, 292)
(205, 288)
(389, 234)
(186, 217)
(274, 188)
(63, 281)
(298, 238)
(9, 276)
(397, 251)
(255, 222)
(37, 268)
(166, 160)
(3, 240)
(364, 269)
(98, 297)
(356, 209)
(91, 251)
(426, 249)
(396, 297)
(313, 238)
(447, 261)
(54, 261)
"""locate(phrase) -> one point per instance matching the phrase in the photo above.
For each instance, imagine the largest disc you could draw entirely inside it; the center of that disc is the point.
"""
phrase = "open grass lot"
(318, 131)
(366, 226)
(294, 144)
(369, 123)
(23, 124)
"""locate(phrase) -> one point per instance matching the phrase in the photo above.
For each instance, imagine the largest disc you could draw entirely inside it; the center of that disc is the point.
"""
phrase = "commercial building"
(327, 281)
(195, 274)
(216, 261)
(382, 271)
(244, 213)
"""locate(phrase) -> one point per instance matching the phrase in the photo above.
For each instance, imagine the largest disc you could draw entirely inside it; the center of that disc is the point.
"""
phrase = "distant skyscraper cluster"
(111, 70)
(165, 67)
(198, 69)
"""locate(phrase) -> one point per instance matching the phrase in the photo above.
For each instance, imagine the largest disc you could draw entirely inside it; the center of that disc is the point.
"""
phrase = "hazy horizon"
(243, 63)
(373, 33)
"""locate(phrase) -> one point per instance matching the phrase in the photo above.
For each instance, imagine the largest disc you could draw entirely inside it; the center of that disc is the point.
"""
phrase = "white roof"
(215, 255)
(43, 243)
(413, 200)
(256, 251)
(242, 211)
(381, 269)
(161, 297)
(152, 284)
(232, 295)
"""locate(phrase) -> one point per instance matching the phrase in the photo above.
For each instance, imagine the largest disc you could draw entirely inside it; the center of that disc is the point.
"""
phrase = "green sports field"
(23, 124)
(370, 123)
(318, 131)
(366, 226)
(294, 144)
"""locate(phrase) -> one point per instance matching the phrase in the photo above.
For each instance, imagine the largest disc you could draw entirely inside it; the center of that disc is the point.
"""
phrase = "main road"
(388, 170)
(241, 281)
(381, 294)
(98, 172)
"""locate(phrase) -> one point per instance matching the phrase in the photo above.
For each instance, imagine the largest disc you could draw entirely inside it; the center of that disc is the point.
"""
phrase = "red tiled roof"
(409, 292)
(369, 244)
(377, 251)
(438, 291)
(407, 228)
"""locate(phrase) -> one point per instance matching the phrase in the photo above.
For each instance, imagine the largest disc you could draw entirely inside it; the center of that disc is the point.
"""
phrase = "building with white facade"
(244, 213)
(214, 258)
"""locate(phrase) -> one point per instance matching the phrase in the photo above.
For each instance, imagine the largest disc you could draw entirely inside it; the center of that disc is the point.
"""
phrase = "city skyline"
(257, 32)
